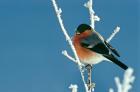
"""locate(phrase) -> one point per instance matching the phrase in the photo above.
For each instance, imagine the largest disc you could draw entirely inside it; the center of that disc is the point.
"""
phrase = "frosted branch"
(58, 13)
(111, 90)
(68, 56)
(73, 88)
(93, 17)
(128, 80)
(119, 86)
(117, 29)
(126, 84)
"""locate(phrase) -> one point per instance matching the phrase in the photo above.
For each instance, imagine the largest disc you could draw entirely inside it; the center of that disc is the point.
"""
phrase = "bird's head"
(83, 30)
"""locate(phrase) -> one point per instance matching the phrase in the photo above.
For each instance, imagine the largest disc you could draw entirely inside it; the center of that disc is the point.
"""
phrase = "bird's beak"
(77, 33)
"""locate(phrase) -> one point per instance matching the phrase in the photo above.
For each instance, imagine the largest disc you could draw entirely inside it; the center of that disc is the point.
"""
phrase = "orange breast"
(83, 53)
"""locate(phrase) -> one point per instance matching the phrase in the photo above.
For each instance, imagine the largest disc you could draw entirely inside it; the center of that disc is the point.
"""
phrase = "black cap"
(83, 27)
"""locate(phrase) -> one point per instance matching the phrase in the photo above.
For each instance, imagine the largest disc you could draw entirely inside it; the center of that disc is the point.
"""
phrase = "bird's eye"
(77, 33)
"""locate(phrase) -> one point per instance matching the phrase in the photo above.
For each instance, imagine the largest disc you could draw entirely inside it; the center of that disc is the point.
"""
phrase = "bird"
(92, 48)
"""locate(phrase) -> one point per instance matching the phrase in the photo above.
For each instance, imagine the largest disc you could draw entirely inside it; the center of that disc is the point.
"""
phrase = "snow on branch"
(111, 90)
(113, 34)
(65, 53)
(126, 84)
(58, 13)
(73, 88)
(93, 17)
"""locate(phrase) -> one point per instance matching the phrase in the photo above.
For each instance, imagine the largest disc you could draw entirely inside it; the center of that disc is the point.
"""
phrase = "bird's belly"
(94, 59)
(87, 56)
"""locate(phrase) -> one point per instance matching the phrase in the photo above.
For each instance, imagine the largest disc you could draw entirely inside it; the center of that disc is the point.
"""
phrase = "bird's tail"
(116, 61)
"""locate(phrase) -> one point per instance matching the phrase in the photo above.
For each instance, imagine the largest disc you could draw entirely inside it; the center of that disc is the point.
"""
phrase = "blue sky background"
(31, 42)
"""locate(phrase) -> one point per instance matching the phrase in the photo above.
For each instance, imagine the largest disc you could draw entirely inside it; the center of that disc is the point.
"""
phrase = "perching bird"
(92, 48)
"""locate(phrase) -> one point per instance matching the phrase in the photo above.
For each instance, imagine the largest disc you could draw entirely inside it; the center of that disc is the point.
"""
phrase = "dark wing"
(112, 49)
(116, 61)
(97, 44)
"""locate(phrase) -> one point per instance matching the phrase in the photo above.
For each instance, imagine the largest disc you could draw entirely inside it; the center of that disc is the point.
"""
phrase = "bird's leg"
(89, 81)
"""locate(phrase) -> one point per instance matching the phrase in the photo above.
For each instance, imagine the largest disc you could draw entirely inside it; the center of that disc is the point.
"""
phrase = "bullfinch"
(92, 48)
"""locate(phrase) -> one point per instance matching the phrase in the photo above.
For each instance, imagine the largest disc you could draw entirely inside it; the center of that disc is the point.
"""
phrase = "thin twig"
(89, 80)
(93, 17)
(126, 84)
(58, 13)
(73, 87)
(111, 90)
(117, 29)
(68, 56)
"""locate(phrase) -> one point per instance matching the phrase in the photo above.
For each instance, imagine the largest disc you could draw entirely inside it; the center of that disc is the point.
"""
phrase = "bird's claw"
(88, 66)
